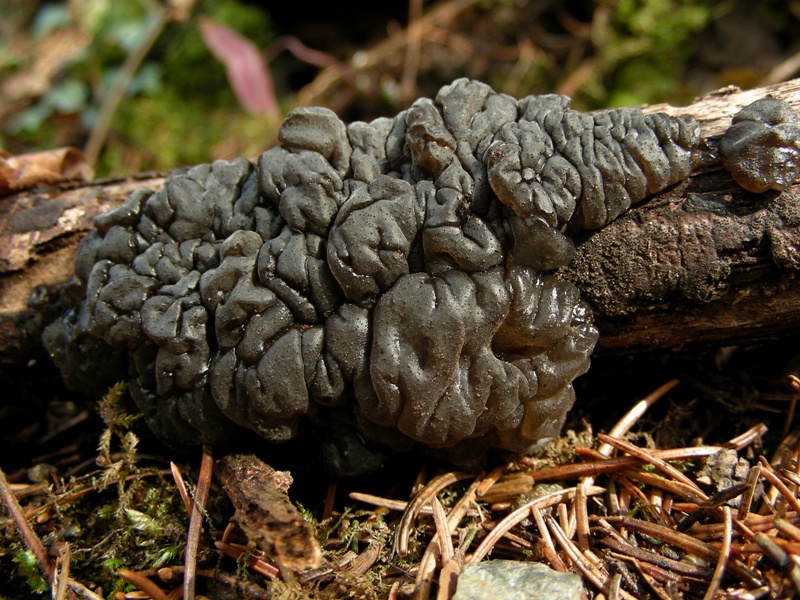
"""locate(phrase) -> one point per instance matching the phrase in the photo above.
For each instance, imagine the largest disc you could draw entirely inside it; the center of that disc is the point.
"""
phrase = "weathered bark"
(39, 234)
(702, 262)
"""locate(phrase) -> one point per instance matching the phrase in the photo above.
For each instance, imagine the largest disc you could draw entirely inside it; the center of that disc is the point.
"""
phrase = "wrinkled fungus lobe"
(761, 149)
(393, 271)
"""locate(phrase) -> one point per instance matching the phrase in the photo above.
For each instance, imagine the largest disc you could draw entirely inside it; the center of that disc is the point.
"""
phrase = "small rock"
(515, 580)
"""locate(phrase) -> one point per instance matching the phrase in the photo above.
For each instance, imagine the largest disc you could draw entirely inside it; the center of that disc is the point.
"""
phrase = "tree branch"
(702, 262)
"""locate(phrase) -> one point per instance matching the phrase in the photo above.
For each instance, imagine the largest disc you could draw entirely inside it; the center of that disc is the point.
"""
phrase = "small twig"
(547, 540)
(686, 542)
(596, 576)
(581, 518)
(159, 19)
(753, 523)
(747, 497)
(648, 457)
(747, 438)
(627, 549)
(414, 40)
(427, 565)
(674, 487)
(567, 524)
(791, 477)
(713, 502)
(366, 559)
(249, 590)
(143, 583)
(181, 485)
(443, 532)
(380, 501)
(780, 558)
(393, 590)
(770, 475)
(390, 504)
(492, 478)
(440, 14)
(634, 414)
(448, 579)
(724, 554)
(646, 572)
(613, 588)
(522, 513)
(783, 70)
(742, 594)
(62, 573)
(445, 538)
(604, 465)
(788, 529)
(196, 523)
(611, 531)
(425, 495)
(82, 591)
(29, 536)
(254, 563)
(318, 58)
(633, 492)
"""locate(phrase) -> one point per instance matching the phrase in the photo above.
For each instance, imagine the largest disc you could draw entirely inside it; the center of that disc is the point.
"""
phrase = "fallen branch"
(702, 262)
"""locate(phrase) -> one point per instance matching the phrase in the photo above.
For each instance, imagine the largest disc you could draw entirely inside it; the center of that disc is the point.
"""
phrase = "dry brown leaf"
(265, 513)
(26, 171)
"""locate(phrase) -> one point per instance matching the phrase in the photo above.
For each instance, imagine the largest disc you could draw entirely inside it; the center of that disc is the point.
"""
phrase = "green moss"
(645, 45)
(28, 569)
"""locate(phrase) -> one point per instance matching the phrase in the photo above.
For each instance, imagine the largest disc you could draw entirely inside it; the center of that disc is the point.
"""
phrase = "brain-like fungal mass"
(398, 272)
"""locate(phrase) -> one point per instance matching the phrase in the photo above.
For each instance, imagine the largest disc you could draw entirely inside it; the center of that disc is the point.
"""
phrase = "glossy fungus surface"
(395, 272)
(761, 149)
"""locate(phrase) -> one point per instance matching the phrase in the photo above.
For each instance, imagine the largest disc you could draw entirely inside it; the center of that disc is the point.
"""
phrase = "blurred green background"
(61, 61)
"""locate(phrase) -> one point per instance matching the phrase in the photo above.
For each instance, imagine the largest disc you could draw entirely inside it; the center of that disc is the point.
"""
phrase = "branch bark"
(702, 262)
(39, 234)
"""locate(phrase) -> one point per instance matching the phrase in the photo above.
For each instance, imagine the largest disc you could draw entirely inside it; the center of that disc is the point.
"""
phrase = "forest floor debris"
(633, 521)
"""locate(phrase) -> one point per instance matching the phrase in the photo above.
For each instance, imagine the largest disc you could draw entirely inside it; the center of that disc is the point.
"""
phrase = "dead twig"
(522, 513)
(196, 523)
(439, 15)
(685, 542)
(747, 498)
(779, 556)
(581, 518)
(82, 591)
(29, 536)
(748, 437)
(724, 554)
(677, 488)
(181, 485)
(425, 495)
(648, 457)
(625, 548)
(143, 583)
(770, 475)
(596, 576)
(61, 573)
(235, 551)
(427, 565)
(635, 413)
(605, 465)
(160, 17)
(408, 81)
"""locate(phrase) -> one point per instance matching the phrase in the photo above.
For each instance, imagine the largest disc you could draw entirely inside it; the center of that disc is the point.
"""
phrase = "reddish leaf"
(248, 73)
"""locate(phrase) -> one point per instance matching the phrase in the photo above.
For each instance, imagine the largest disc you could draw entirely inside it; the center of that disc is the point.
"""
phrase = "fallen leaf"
(26, 171)
(247, 72)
